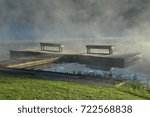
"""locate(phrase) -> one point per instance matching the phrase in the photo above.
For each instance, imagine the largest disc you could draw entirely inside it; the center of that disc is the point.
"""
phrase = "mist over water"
(57, 19)
(124, 23)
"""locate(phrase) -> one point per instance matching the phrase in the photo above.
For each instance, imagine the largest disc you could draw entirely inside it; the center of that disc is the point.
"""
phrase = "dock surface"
(119, 60)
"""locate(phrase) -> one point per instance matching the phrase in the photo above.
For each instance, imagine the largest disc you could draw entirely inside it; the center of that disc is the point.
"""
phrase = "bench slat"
(99, 46)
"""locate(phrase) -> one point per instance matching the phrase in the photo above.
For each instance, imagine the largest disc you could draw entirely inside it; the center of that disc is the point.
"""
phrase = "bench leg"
(111, 51)
(42, 48)
(88, 51)
(60, 49)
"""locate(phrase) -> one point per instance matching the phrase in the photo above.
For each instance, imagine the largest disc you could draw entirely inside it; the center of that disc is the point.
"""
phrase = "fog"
(124, 23)
(53, 19)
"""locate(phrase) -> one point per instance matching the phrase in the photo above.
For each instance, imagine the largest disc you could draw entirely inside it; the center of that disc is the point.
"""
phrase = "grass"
(12, 88)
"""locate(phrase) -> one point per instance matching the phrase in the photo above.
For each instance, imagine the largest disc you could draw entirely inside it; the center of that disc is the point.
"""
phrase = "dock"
(104, 62)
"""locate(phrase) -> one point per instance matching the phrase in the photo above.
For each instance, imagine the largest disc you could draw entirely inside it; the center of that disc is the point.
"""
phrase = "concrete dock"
(105, 62)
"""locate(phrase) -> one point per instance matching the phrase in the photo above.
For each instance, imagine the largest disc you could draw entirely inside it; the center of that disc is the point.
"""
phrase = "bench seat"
(109, 47)
(60, 46)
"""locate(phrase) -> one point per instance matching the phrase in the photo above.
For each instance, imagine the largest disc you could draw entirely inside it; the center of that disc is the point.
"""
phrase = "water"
(76, 68)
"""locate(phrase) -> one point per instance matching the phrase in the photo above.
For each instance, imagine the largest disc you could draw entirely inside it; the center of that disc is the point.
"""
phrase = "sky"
(68, 19)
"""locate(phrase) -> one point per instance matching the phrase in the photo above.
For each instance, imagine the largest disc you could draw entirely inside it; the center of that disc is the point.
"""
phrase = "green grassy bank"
(23, 88)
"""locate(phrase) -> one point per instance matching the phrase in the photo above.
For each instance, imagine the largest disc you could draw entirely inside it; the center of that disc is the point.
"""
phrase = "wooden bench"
(109, 47)
(60, 46)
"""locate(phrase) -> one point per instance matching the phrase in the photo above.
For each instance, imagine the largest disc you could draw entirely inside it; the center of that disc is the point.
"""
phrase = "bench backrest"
(52, 44)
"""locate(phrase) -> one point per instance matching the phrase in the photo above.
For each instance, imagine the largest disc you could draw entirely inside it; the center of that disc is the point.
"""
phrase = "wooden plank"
(32, 63)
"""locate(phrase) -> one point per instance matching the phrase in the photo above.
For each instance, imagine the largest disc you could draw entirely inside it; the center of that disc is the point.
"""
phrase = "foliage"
(33, 89)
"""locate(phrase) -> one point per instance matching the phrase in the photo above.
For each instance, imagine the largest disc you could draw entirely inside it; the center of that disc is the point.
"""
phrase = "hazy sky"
(74, 18)
(82, 19)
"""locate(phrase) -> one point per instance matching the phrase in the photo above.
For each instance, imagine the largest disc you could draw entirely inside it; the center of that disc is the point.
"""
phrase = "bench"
(60, 46)
(109, 47)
